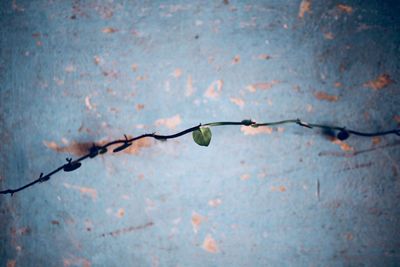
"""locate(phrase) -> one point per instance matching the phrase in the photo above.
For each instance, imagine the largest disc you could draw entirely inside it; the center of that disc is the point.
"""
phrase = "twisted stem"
(72, 165)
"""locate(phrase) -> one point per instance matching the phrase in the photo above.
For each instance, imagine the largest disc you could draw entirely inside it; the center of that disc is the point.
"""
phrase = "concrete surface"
(73, 72)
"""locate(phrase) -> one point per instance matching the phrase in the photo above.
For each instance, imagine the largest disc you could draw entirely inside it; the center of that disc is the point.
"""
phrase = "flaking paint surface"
(77, 72)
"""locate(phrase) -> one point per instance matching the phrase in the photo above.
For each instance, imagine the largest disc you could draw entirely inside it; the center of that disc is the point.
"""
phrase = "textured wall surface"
(76, 72)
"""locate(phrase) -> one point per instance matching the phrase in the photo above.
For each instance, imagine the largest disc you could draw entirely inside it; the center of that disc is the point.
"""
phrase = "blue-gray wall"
(75, 72)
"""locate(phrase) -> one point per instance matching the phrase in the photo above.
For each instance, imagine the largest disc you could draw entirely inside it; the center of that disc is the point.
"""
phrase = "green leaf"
(202, 136)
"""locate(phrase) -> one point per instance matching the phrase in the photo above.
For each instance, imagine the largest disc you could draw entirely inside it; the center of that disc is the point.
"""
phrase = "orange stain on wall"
(380, 82)
(326, 97)
(210, 245)
(214, 90)
(305, 7)
(248, 130)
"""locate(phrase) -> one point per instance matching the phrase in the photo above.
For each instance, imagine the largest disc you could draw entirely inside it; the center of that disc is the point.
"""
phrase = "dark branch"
(72, 165)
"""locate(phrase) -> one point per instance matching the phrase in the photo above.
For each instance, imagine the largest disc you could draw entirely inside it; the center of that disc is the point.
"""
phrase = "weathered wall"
(73, 72)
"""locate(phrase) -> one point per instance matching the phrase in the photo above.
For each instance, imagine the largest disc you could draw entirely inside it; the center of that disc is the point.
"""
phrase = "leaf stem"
(126, 142)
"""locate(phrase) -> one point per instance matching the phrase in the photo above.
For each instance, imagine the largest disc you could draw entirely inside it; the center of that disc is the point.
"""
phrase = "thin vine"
(201, 135)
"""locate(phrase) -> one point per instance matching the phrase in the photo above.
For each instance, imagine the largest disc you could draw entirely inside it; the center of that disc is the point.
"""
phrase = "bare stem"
(72, 165)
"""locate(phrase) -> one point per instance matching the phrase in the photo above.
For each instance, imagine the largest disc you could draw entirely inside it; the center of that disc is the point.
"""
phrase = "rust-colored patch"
(380, 82)
(85, 191)
(326, 97)
(139, 107)
(75, 148)
(76, 262)
(397, 118)
(245, 176)
(177, 73)
(138, 145)
(128, 229)
(70, 68)
(264, 56)
(111, 91)
(349, 236)
(210, 245)
(197, 220)
(109, 30)
(237, 101)
(280, 188)
(170, 123)
(262, 86)
(11, 263)
(121, 213)
(81, 149)
(134, 67)
(21, 231)
(214, 90)
(338, 84)
(215, 202)
(141, 78)
(305, 7)
(189, 86)
(248, 130)
(376, 140)
(329, 36)
(345, 8)
(236, 59)
(344, 146)
(97, 60)
(55, 222)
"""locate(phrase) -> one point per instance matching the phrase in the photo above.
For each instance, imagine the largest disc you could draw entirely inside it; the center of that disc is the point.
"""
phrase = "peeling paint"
(345, 8)
(89, 105)
(177, 73)
(264, 56)
(214, 202)
(214, 90)
(85, 191)
(380, 82)
(305, 7)
(75, 148)
(76, 262)
(197, 220)
(134, 67)
(248, 130)
(170, 123)
(326, 97)
(109, 30)
(237, 101)
(396, 118)
(344, 146)
(262, 86)
(11, 263)
(189, 86)
(280, 188)
(376, 140)
(138, 145)
(210, 245)
(329, 36)
(139, 107)
(245, 176)
(236, 59)
(120, 213)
